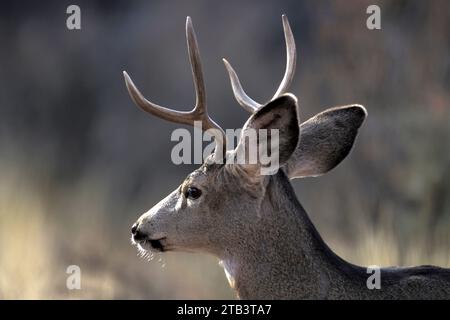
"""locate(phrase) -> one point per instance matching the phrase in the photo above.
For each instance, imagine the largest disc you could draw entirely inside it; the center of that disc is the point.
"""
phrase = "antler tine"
(291, 56)
(196, 67)
(200, 109)
(199, 112)
(242, 98)
(183, 117)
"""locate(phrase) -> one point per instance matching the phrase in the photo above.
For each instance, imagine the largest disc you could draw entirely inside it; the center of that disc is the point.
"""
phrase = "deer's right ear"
(326, 139)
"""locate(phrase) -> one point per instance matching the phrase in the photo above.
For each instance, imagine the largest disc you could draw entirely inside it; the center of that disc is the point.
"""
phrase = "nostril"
(134, 228)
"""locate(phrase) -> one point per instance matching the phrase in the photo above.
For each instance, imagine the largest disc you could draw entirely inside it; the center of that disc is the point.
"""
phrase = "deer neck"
(283, 255)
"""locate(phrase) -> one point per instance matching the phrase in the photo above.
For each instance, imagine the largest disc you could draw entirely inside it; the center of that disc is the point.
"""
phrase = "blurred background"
(79, 162)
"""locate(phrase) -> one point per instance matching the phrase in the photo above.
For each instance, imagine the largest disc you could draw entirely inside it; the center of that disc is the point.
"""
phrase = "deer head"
(219, 206)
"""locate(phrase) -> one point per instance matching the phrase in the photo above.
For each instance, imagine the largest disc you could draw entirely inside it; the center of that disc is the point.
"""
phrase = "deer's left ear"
(273, 132)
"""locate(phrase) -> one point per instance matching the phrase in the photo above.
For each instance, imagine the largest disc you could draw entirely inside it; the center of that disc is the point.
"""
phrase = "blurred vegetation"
(79, 163)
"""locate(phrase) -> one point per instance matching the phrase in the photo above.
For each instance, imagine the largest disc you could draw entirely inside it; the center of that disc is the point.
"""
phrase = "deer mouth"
(157, 244)
(153, 244)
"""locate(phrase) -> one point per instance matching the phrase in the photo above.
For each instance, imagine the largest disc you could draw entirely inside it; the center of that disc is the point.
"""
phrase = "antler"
(291, 55)
(199, 113)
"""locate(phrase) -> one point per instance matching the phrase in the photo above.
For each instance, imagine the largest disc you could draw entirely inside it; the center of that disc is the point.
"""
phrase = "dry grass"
(382, 248)
(26, 261)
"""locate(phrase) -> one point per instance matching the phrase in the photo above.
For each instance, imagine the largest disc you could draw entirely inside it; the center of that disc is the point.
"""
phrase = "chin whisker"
(161, 260)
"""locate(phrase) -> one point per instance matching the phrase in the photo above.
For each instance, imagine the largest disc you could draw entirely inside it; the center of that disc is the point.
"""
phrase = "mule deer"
(254, 223)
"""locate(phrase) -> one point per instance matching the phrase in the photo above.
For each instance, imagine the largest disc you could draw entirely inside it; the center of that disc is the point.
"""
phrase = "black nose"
(134, 228)
(137, 234)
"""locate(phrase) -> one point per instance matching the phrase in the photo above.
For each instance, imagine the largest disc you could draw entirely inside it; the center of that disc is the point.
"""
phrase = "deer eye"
(193, 193)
